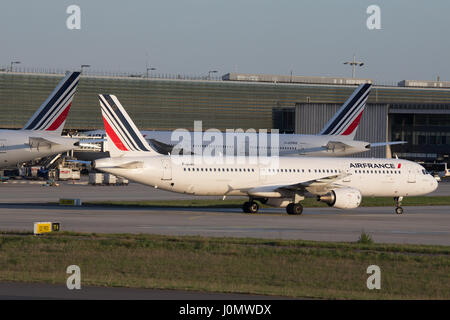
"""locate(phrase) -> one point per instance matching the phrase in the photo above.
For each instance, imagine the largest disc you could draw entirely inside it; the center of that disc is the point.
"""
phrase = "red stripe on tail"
(62, 117)
(353, 126)
(110, 132)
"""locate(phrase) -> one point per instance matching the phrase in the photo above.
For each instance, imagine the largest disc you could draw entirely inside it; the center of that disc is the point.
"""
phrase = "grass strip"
(273, 267)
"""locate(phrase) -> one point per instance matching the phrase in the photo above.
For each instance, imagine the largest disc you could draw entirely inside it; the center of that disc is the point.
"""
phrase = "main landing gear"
(398, 203)
(294, 208)
(250, 207)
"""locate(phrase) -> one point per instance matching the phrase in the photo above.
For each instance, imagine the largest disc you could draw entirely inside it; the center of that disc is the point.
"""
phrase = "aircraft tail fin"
(124, 137)
(52, 114)
(346, 121)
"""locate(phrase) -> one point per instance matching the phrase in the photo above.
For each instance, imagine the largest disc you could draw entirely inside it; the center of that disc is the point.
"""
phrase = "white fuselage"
(372, 177)
(15, 146)
(254, 144)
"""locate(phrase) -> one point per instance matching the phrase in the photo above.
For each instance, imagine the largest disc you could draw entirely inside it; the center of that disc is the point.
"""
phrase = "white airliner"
(41, 136)
(339, 182)
(336, 138)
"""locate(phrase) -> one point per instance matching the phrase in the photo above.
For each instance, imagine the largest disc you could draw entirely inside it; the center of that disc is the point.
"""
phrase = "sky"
(307, 37)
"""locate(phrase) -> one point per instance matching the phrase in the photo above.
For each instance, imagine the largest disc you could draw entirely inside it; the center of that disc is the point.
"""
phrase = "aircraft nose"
(434, 184)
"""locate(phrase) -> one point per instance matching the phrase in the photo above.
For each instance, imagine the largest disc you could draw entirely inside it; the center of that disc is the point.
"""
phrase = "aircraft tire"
(253, 207)
(289, 208)
(246, 207)
(297, 209)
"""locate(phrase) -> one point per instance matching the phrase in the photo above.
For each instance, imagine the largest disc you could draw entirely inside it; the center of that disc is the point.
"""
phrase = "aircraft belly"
(211, 187)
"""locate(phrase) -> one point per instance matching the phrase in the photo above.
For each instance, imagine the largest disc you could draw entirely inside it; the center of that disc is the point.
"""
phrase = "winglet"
(52, 114)
(346, 120)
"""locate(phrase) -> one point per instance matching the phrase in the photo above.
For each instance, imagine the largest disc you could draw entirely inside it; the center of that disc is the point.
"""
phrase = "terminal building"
(414, 111)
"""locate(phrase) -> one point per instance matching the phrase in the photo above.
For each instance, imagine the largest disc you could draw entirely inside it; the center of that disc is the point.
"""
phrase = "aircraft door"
(167, 169)
(411, 175)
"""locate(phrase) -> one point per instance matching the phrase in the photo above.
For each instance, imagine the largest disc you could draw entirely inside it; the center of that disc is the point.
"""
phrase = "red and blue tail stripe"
(53, 112)
(119, 126)
(347, 119)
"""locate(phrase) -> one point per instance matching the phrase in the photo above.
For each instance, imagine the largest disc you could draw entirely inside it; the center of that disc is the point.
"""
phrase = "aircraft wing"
(382, 144)
(317, 186)
(36, 142)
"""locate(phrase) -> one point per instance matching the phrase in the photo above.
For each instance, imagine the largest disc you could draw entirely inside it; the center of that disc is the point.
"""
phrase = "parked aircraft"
(41, 136)
(335, 139)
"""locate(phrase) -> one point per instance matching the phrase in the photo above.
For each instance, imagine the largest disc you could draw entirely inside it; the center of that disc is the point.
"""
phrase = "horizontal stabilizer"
(131, 165)
(161, 147)
(80, 161)
(337, 146)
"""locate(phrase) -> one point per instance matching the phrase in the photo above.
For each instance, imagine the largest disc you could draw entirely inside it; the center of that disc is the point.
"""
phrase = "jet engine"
(342, 198)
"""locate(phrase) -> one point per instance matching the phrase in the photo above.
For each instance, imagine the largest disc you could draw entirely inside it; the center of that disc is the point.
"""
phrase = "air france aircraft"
(284, 182)
(336, 138)
(41, 136)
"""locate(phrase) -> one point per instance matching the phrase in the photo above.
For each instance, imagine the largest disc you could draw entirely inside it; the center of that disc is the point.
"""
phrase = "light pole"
(209, 73)
(84, 66)
(13, 62)
(150, 69)
(354, 63)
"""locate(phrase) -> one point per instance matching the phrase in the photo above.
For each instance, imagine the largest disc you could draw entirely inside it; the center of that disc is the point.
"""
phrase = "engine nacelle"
(278, 202)
(342, 198)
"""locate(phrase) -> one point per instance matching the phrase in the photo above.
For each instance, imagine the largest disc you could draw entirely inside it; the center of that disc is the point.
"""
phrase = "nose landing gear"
(398, 203)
